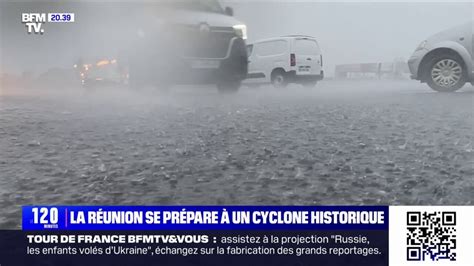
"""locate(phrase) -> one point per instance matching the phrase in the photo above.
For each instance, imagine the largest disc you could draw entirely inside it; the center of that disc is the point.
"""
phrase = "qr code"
(431, 236)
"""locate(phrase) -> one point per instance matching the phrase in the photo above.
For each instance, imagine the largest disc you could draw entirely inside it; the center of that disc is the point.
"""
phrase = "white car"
(445, 60)
(284, 60)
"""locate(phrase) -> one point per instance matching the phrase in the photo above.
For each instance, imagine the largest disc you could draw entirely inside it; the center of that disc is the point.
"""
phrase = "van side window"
(272, 48)
(249, 50)
(306, 47)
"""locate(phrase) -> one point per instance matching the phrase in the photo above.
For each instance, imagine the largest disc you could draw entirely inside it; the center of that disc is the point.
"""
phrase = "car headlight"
(422, 45)
(241, 31)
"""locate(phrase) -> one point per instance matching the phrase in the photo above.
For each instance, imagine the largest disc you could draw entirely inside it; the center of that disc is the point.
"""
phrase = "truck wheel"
(446, 73)
(279, 79)
(229, 86)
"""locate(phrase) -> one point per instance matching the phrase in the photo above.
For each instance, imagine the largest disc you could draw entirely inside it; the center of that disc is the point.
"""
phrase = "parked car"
(284, 60)
(188, 42)
(104, 72)
(445, 60)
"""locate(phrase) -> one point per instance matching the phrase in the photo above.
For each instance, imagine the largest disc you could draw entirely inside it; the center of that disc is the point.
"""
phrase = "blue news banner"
(199, 235)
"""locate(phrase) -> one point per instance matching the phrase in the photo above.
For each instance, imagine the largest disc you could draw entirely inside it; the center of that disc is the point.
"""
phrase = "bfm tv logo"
(34, 22)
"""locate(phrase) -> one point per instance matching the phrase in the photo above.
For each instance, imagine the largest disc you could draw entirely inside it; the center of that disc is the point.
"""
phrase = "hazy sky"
(348, 32)
(354, 32)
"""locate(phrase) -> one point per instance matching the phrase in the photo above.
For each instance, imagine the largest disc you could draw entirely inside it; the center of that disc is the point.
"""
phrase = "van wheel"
(229, 86)
(279, 79)
(446, 73)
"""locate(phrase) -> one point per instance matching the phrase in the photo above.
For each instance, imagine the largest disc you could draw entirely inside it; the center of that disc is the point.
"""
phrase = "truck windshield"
(199, 5)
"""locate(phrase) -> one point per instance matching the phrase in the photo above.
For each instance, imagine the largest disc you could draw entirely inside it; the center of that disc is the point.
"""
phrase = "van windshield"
(198, 5)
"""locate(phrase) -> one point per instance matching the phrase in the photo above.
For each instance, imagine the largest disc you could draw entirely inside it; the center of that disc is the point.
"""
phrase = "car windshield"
(199, 5)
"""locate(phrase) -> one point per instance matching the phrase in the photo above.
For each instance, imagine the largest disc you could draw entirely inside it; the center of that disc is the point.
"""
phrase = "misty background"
(348, 32)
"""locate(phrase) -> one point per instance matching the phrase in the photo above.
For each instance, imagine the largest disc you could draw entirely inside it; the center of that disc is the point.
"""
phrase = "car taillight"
(292, 60)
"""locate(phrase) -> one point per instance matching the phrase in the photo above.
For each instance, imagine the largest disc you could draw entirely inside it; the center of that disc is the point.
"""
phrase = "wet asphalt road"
(360, 142)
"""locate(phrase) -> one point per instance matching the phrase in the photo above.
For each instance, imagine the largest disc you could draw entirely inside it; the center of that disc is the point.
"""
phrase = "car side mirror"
(229, 11)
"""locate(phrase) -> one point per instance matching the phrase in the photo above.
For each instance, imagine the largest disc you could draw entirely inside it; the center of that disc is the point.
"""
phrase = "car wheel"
(229, 86)
(446, 73)
(279, 79)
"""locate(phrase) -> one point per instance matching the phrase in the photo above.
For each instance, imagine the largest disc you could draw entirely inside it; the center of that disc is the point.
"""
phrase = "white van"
(284, 60)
